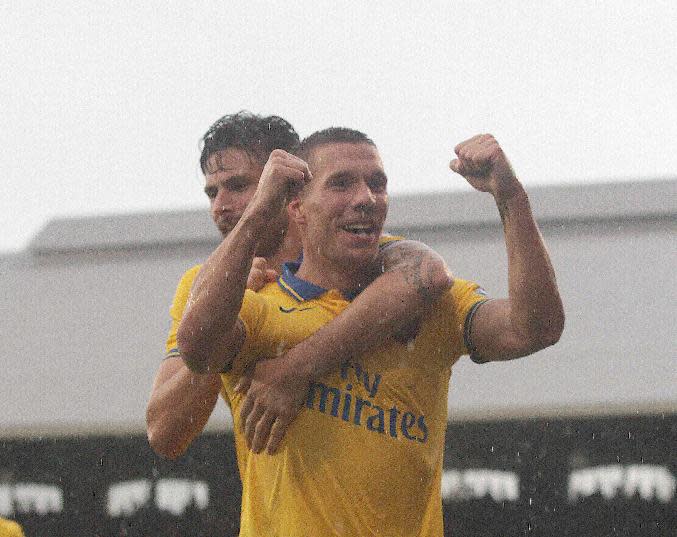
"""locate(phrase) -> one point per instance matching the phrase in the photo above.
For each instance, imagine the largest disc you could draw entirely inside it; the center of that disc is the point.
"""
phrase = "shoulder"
(462, 296)
(188, 277)
(183, 291)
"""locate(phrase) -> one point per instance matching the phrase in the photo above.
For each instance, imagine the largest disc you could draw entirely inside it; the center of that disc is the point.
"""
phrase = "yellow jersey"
(364, 456)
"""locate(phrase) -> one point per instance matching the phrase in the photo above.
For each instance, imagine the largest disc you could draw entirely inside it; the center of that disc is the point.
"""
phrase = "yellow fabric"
(9, 528)
(364, 456)
(176, 310)
(181, 297)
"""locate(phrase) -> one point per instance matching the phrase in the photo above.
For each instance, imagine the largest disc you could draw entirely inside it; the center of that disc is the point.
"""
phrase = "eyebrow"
(231, 178)
(348, 175)
(340, 175)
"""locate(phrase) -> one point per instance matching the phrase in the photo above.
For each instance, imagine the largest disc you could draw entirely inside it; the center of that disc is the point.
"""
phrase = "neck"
(289, 251)
(331, 276)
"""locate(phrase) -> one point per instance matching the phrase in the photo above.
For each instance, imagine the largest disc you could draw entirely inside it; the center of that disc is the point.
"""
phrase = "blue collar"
(300, 289)
(295, 286)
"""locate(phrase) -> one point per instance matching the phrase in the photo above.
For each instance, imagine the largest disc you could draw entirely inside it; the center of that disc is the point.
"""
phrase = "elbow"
(548, 333)
(549, 338)
(195, 360)
(438, 280)
(555, 326)
(163, 448)
(161, 443)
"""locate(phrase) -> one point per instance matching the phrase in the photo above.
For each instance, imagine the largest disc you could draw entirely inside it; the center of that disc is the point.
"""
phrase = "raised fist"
(283, 176)
(484, 165)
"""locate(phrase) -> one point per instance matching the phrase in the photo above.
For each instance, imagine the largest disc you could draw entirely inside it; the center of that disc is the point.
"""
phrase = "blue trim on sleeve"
(467, 340)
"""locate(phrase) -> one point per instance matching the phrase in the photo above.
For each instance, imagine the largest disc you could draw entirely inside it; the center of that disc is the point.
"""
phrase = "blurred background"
(103, 210)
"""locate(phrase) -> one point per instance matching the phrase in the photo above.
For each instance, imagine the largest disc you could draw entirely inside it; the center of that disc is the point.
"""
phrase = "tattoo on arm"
(415, 265)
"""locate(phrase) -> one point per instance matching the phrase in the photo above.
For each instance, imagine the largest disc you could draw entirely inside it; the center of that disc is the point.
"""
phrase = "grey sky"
(104, 104)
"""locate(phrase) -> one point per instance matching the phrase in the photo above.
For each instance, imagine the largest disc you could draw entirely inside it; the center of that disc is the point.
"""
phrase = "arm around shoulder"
(413, 278)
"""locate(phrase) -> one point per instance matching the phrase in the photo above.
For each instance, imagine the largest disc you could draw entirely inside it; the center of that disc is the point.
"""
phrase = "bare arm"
(180, 405)
(210, 334)
(181, 402)
(532, 317)
(414, 277)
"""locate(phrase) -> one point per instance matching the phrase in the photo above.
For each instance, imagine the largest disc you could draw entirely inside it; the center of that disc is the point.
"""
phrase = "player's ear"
(295, 210)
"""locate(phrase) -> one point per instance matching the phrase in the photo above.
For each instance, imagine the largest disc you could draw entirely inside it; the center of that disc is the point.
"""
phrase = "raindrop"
(531, 501)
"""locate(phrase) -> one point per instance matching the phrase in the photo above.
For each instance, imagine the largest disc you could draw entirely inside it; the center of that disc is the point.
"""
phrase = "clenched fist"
(283, 176)
(484, 165)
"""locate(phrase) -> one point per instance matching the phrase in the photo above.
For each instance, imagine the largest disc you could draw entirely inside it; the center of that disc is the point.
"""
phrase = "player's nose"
(222, 202)
(364, 196)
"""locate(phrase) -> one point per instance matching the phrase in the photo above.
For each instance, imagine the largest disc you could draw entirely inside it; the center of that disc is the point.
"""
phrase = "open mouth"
(361, 230)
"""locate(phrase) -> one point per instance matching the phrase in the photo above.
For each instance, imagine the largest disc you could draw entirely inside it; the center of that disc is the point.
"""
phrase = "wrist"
(252, 219)
(514, 192)
(301, 363)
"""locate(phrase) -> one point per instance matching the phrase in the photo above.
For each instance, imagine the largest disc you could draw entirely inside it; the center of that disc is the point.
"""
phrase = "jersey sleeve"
(463, 298)
(177, 307)
(468, 297)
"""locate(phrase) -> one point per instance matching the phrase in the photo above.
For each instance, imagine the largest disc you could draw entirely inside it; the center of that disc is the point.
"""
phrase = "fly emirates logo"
(345, 404)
